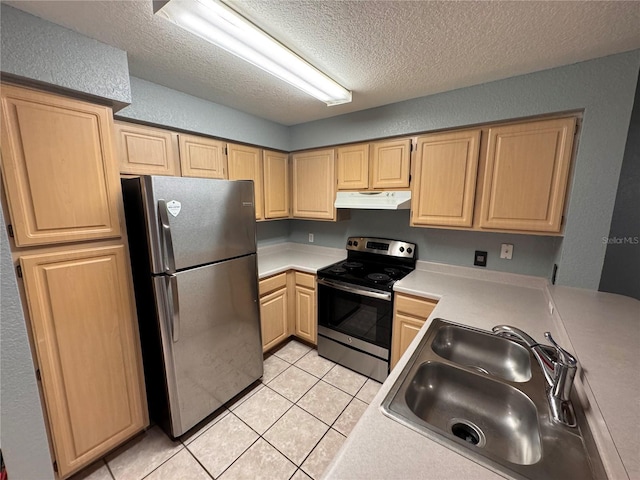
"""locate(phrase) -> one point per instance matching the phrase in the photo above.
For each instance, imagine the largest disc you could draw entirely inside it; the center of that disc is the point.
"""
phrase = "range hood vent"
(400, 200)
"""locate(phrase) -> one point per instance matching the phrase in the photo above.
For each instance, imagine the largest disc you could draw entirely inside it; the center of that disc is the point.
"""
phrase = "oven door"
(356, 316)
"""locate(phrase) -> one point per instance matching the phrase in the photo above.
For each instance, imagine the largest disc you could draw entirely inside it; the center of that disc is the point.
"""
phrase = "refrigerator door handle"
(166, 242)
(173, 306)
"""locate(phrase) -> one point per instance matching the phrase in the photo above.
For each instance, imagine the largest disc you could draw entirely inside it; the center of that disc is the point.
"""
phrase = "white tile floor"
(288, 426)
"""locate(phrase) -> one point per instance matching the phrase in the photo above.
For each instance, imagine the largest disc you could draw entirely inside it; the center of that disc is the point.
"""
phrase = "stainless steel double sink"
(484, 396)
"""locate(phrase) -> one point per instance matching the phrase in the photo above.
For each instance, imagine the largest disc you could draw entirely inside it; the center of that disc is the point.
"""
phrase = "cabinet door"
(444, 189)
(306, 314)
(527, 170)
(306, 311)
(390, 163)
(273, 318)
(314, 185)
(85, 335)
(245, 163)
(353, 167)
(276, 185)
(147, 151)
(202, 157)
(59, 169)
(405, 329)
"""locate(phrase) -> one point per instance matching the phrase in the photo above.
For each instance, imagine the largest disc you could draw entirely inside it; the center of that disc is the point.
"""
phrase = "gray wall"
(41, 51)
(160, 105)
(531, 255)
(22, 432)
(273, 232)
(604, 88)
(621, 270)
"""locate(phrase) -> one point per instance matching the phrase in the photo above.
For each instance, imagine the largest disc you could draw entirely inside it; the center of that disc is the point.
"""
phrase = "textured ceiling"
(384, 51)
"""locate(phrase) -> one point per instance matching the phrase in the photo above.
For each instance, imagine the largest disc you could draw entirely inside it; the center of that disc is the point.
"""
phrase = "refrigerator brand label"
(174, 207)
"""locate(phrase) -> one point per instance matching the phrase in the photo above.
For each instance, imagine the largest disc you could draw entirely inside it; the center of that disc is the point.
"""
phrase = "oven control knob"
(349, 243)
(409, 250)
(401, 249)
(355, 244)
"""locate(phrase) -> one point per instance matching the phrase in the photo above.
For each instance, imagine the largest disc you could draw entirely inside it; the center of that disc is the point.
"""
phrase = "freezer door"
(196, 221)
(210, 328)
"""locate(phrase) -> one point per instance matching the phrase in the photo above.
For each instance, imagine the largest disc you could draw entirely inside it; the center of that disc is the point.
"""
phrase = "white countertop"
(602, 330)
(273, 259)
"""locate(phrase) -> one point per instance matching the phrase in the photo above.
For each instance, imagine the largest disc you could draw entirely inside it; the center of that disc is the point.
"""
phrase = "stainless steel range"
(355, 303)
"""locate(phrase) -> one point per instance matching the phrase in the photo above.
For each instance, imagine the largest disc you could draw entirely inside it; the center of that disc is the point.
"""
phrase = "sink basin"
(485, 397)
(478, 410)
(483, 351)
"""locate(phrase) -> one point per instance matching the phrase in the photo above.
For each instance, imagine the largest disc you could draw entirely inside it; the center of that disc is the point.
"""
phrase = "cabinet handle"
(174, 306)
(166, 242)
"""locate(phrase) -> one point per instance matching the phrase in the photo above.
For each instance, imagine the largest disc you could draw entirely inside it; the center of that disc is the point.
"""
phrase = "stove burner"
(338, 270)
(352, 265)
(392, 272)
(378, 277)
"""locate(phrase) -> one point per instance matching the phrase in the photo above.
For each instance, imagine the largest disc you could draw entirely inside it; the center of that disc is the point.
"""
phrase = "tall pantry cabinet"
(62, 194)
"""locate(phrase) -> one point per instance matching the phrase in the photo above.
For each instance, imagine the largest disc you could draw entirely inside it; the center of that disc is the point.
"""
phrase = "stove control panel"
(382, 246)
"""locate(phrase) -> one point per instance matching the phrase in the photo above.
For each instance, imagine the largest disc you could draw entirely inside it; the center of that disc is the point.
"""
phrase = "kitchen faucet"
(559, 369)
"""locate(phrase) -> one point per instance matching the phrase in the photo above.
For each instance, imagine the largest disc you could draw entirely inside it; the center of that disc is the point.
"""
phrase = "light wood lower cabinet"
(274, 306)
(288, 307)
(409, 315)
(85, 334)
(59, 168)
(146, 150)
(306, 311)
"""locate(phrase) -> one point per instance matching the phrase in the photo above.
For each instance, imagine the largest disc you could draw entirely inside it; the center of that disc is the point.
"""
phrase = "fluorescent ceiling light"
(220, 25)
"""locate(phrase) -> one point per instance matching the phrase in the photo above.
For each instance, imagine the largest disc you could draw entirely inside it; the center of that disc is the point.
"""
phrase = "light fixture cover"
(222, 26)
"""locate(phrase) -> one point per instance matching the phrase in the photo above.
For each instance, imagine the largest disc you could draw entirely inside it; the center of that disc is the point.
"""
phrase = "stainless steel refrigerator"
(193, 250)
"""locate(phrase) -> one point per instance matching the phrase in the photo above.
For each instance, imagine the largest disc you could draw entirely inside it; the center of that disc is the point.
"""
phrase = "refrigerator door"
(196, 221)
(210, 328)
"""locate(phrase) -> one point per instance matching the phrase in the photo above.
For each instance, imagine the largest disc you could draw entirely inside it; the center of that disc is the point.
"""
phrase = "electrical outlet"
(506, 251)
(480, 259)
(311, 238)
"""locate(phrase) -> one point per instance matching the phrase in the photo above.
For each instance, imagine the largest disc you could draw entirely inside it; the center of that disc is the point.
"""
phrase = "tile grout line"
(259, 386)
(108, 468)
(161, 464)
(199, 463)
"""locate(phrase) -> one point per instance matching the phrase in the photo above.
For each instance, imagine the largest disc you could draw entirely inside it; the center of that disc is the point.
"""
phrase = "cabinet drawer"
(418, 307)
(306, 280)
(273, 283)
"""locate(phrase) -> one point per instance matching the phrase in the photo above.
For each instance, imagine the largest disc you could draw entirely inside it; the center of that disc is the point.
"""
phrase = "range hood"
(400, 200)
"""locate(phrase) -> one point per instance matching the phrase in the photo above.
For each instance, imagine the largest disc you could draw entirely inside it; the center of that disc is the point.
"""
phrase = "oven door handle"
(357, 290)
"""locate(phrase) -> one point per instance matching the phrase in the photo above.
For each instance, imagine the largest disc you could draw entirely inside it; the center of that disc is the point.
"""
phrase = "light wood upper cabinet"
(409, 315)
(390, 163)
(202, 157)
(85, 335)
(274, 310)
(245, 163)
(314, 184)
(353, 167)
(444, 187)
(276, 184)
(306, 311)
(146, 150)
(525, 181)
(59, 168)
